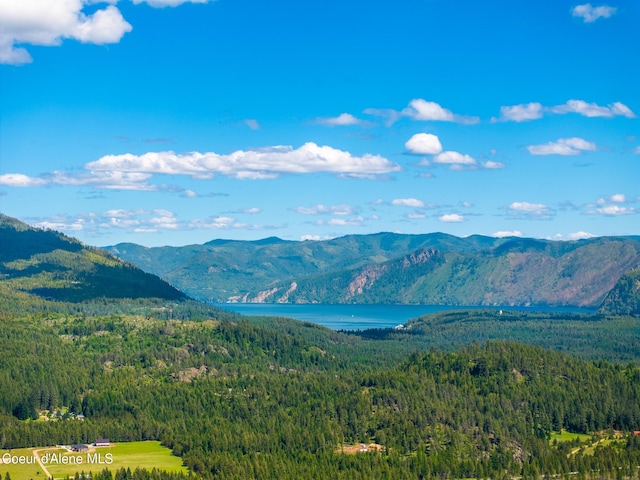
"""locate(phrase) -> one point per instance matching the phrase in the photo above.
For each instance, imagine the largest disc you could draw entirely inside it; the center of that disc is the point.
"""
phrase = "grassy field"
(18, 471)
(565, 436)
(131, 455)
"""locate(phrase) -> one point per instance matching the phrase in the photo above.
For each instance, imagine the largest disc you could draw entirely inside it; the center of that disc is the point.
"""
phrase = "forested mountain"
(624, 298)
(39, 266)
(238, 400)
(392, 268)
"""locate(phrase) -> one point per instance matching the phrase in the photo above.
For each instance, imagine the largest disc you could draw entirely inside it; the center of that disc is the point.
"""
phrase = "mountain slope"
(392, 268)
(51, 266)
(624, 298)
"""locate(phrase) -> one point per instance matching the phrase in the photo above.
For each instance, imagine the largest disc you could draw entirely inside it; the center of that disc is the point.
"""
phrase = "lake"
(362, 317)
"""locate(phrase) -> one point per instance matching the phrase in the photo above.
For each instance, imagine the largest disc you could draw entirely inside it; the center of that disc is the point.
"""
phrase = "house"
(102, 442)
(80, 447)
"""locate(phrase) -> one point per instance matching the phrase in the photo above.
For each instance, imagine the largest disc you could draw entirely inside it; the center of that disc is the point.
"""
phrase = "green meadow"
(145, 455)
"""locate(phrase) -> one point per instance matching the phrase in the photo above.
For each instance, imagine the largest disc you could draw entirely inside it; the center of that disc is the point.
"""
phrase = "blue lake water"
(361, 317)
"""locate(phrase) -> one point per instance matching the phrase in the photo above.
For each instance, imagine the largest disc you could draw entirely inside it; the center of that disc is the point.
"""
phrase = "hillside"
(624, 298)
(392, 268)
(42, 265)
(289, 400)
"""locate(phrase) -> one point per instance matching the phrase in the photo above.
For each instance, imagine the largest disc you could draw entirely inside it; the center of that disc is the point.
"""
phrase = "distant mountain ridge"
(47, 265)
(434, 268)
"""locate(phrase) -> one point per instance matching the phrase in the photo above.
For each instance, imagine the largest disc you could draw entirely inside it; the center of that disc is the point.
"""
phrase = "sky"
(175, 122)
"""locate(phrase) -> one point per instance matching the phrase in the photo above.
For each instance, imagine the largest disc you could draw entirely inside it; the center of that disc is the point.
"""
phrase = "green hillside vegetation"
(277, 398)
(458, 394)
(624, 298)
(44, 270)
(393, 268)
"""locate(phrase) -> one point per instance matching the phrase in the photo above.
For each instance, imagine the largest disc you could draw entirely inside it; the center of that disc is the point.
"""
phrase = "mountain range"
(432, 268)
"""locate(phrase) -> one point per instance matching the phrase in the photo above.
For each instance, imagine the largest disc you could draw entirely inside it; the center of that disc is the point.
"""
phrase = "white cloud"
(61, 225)
(20, 180)
(612, 210)
(407, 202)
(563, 146)
(522, 112)
(256, 164)
(590, 13)
(214, 223)
(340, 222)
(535, 110)
(320, 209)
(110, 180)
(531, 211)
(451, 218)
(618, 198)
(537, 208)
(580, 235)
(506, 233)
(420, 109)
(252, 211)
(491, 165)
(424, 144)
(341, 120)
(416, 216)
(593, 110)
(454, 158)
(48, 22)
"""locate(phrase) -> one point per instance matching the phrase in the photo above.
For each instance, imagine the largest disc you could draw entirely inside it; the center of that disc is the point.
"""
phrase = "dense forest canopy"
(457, 394)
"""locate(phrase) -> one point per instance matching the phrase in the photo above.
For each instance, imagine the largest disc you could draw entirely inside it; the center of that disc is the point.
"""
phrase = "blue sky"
(169, 122)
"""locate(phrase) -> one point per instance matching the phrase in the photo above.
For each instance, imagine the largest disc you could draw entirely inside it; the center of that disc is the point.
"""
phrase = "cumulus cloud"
(451, 218)
(593, 110)
(420, 109)
(563, 146)
(407, 202)
(343, 222)
(580, 235)
(320, 209)
(590, 13)
(257, 164)
(522, 112)
(424, 144)
(526, 210)
(49, 22)
(618, 198)
(533, 111)
(492, 165)
(341, 120)
(612, 210)
(98, 223)
(454, 159)
(251, 211)
(20, 180)
(507, 233)
(614, 205)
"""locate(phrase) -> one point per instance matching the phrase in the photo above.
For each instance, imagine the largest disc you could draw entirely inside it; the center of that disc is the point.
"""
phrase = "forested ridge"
(282, 399)
(431, 269)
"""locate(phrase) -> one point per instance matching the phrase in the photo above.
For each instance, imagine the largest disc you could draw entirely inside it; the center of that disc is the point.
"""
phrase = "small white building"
(102, 442)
